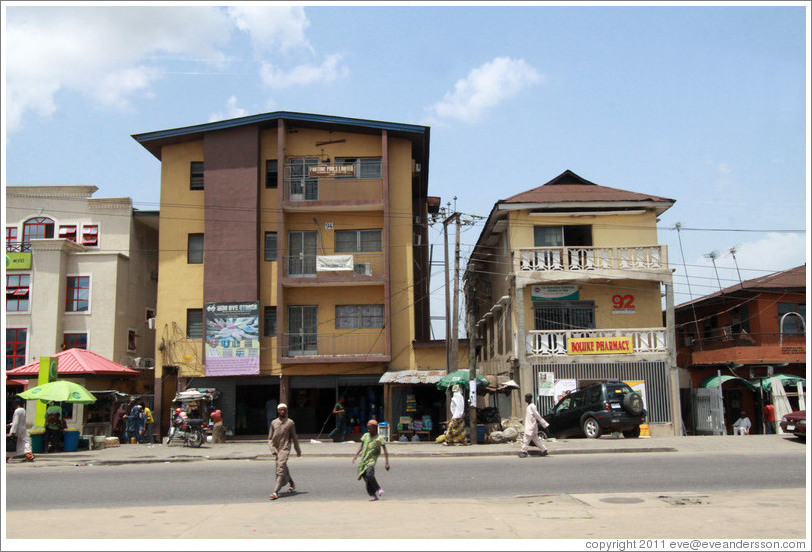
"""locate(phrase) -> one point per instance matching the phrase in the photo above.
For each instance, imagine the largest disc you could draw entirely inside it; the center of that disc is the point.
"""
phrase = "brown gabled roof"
(790, 279)
(568, 187)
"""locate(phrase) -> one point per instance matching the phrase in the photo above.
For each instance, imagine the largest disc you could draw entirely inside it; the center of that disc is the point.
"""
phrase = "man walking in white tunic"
(531, 431)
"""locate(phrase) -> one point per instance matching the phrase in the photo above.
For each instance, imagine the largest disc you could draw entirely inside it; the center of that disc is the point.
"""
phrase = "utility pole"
(452, 353)
(455, 328)
(470, 328)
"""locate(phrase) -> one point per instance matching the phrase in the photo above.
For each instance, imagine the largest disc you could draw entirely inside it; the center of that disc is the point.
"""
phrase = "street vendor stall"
(414, 406)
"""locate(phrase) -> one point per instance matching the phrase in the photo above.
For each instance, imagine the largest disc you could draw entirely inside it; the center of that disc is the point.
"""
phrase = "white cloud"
(306, 74)
(113, 54)
(99, 51)
(722, 174)
(232, 111)
(485, 87)
(272, 28)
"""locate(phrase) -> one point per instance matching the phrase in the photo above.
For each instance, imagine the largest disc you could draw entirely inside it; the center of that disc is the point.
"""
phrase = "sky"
(706, 104)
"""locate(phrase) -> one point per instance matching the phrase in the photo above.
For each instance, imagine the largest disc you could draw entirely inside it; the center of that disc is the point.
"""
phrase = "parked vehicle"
(595, 409)
(795, 423)
(188, 430)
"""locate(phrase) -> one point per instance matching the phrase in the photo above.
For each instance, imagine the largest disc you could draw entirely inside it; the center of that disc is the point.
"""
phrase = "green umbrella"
(59, 391)
(460, 377)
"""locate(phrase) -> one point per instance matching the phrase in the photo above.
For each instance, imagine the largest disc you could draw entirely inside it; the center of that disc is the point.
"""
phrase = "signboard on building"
(334, 262)
(554, 293)
(232, 339)
(331, 170)
(18, 261)
(600, 345)
(623, 304)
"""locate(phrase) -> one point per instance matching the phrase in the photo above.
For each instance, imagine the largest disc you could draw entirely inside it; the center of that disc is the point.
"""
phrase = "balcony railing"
(306, 266)
(722, 338)
(333, 189)
(554, 342)
(544, 259)
(351, 343)
(18, 247)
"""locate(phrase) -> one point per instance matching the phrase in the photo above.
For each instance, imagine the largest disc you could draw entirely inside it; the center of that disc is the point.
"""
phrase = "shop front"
(415, 407)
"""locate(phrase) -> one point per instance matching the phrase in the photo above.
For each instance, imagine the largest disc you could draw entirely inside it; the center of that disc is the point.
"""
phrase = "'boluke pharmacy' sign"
(600, 345)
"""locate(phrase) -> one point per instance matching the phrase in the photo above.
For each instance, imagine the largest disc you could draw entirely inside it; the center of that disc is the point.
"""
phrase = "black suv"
(595, 409)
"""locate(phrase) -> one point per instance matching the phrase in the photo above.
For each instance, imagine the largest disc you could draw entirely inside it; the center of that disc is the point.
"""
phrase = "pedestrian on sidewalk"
(340, 431)
(218, 430)
(371, 445)
(18, 431)
(456, 427)
(148, 421)
(769, 419)
(531, 430)
(281, 435)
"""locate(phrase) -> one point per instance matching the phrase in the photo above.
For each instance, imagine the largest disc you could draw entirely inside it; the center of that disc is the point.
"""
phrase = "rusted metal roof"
(413, 376)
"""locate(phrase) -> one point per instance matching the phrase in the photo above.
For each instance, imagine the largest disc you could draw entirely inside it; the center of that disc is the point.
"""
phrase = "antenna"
(713, 255)
(733, 254)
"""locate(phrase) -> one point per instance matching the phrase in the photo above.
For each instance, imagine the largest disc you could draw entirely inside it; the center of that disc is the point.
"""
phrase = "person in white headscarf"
(456, 427)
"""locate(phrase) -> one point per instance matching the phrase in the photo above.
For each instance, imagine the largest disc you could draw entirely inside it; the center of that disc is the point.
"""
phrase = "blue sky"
(704, 104)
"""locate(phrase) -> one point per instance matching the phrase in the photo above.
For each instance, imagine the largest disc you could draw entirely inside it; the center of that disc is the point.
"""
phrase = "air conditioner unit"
(144, 362)
(151, 323)
(363, 269)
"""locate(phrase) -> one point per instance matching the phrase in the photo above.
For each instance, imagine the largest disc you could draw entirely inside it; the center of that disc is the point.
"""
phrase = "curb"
(85, 461)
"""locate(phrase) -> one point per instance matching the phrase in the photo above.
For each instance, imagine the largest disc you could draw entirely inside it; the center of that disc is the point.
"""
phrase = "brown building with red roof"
(744, 333)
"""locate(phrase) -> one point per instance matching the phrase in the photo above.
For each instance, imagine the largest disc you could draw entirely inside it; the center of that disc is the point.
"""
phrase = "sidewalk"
(258, 449)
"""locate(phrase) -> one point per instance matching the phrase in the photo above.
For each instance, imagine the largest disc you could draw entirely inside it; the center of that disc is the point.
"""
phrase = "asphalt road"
(326, 479)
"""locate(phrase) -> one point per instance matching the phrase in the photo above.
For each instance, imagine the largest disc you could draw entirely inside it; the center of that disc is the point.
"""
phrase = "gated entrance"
(708, 412)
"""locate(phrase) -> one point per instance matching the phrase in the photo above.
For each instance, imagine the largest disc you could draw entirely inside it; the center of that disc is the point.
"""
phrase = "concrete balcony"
(349, 346)
(649, 262)
(646, 342)
(336, 193)
(744, 348)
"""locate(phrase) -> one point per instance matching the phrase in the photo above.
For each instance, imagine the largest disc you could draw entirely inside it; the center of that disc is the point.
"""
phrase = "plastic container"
(37, 442)
(70, 441)
(480, 433)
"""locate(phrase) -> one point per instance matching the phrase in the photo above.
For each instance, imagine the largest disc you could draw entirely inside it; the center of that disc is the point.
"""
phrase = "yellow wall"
(647, 302)
(182, 212)
(607, 230)
(180, 284)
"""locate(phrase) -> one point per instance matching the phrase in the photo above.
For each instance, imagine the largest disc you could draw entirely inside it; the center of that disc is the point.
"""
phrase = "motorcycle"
(188, 430)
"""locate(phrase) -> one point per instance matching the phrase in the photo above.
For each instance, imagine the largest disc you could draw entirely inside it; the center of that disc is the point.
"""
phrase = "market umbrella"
(59, 391)
(460, 377)
(786, 379)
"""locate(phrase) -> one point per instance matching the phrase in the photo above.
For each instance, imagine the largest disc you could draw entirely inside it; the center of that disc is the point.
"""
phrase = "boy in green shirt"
(370, 449)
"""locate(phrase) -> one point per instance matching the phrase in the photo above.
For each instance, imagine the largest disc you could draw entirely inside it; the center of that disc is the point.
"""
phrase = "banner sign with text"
(331, 170)
(232, 339)
(600, 345)
(554, 292)
(18, 261)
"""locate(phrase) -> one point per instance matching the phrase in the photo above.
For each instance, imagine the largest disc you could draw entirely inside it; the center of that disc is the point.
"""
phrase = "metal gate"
(708, 411)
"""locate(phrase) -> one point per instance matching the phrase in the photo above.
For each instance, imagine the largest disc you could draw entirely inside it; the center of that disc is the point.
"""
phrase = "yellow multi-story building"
(293, 263)
(566, 284)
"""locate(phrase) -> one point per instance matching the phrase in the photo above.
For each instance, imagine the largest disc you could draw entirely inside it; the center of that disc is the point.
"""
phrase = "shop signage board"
(554, 293)
(232, 339)
(600, 345)
(334, 262)
(331, 170)
(18, 261)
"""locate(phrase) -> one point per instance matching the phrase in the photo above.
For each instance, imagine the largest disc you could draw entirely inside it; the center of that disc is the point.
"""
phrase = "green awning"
(786, 379)
(713, 381)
